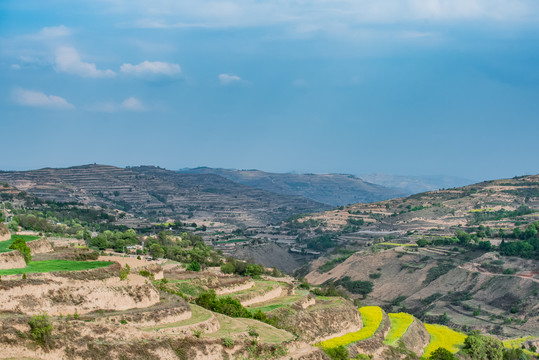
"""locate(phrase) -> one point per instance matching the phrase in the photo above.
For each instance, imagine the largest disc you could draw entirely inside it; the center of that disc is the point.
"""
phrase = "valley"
(394, 279)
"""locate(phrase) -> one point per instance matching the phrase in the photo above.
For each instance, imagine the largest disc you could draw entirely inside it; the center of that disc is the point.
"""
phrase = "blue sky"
(411, 87)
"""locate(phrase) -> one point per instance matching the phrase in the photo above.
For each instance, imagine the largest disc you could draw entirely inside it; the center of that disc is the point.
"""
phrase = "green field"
(4, 245)
(399, 324)
(199, 314)
(278, 302)
(231, 327)
(56, 265)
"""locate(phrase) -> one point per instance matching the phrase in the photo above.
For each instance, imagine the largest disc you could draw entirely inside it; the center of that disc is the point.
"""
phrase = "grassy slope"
(199, 314)
(4, 245)
(56, 265)
(233, 326)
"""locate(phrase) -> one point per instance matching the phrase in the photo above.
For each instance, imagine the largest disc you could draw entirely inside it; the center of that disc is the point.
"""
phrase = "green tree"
(156, 251)
(20, 245)
(442, 354)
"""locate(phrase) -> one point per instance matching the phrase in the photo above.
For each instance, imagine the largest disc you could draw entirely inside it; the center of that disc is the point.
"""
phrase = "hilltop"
(332, 189)
(160, 194)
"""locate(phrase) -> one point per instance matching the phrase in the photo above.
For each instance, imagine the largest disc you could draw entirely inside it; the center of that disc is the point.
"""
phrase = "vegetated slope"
(460, 269)
(160, 194)
(332, 189)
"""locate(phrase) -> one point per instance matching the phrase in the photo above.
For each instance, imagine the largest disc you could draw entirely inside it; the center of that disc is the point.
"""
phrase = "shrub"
(193, 266)
(124, 272)
(228, 268)
(252, 332)
(41, 329)
(227, 342)
(338, 353)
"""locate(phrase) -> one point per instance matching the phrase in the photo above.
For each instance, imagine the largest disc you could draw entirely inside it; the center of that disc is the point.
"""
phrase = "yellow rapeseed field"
(372, 317)
(399, 324)
(442, 336)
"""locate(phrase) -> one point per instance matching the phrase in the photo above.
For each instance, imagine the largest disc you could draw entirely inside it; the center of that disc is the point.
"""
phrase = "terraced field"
(278, 302)
(237, 326)
(56, 265)
(199, 314)
(442, 336)
(372, 317)
(399, 324)
(4, 245)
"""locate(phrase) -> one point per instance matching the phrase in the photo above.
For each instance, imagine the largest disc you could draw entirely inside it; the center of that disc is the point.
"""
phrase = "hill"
(160, 194)
(467, 256)
(332, 189)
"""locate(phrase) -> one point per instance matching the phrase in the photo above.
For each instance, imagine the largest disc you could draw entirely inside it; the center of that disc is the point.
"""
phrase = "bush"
(193, 266)
(41, 329)
(227, 342)
(338, 353)
(124, 272)
(228, 268)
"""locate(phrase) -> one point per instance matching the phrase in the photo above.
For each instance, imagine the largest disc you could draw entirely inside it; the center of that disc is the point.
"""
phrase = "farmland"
(372, 317)
(399, 324)
(442, 336)
(56, 265)
(4, 245)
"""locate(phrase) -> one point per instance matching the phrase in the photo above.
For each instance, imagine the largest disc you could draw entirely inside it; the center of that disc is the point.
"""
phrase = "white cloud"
(227, 79)
(132, 104)
(151, 68)
(38, 99)
(15, 66)
(129, 104)
(68, 61)
(54, 32)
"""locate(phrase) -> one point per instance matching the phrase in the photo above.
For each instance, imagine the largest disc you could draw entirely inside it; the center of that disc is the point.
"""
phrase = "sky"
(411, 87)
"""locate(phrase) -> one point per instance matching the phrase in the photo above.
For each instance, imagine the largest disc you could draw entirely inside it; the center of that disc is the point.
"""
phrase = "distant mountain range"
(332, 189)
(246, 197)
(416, 184)
(161, 194)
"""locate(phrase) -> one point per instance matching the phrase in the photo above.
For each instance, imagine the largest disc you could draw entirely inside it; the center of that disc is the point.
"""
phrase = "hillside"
(332, 189)
(468, 255)
(161, 194)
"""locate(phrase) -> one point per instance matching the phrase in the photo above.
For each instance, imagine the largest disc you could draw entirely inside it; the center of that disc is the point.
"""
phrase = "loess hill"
(464, 256)
(161, 194)
(332, 189)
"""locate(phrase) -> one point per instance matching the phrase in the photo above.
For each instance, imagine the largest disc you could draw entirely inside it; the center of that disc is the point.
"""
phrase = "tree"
(20, 245)
(156, 251)
(442, 354)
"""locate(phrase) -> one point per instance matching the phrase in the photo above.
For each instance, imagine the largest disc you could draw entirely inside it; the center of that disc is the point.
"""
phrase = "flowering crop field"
(516, 343)
(372, 317)
(399, 324)
(395, 244)
(442, 336)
